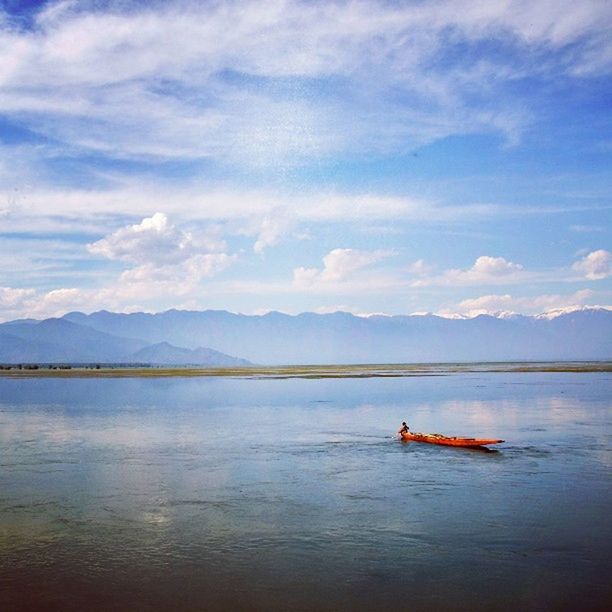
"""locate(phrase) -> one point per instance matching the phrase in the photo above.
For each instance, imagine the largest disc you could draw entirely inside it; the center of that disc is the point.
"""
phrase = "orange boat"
(446, 441)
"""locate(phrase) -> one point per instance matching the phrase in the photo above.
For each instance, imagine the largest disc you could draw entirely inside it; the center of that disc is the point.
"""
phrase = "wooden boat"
(446, 441)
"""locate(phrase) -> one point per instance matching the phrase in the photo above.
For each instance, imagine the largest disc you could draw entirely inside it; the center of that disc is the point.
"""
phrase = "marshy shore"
(301, 371)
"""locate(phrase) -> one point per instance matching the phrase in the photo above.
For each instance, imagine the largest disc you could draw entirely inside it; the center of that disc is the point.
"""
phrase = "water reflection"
(267, 494)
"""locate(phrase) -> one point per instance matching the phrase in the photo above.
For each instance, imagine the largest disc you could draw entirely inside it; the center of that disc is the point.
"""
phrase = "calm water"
(217, 493)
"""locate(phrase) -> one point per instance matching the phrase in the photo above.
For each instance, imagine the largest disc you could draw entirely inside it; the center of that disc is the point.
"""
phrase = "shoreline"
(300, 371)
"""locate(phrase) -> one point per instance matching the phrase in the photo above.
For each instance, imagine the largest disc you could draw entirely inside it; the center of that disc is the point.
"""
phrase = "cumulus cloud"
(165, 260)
(154, 240)
(305, 277)
(180, 278)
(486, 269)
(506, 303)
(272, 228)
(341, 263)
(135, 289)
(28, 302)
(597, 265)
(169, 81)
(12, 299)
(338, 266)
(156, 243)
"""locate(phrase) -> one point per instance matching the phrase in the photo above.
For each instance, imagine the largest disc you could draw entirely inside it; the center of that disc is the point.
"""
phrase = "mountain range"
(61, 341)
(214, 337)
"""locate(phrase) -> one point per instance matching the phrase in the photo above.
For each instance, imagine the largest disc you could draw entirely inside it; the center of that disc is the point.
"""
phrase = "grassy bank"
(320, 371)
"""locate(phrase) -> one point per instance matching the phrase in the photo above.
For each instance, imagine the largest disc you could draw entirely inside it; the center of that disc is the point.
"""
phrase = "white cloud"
(18, 303)
(486, 270)
(507, 303)
(167, 258)
(173, 80)
(305, 277)
(153, 240)
(255, 205)
(266, 214)
(180, 278)
(272, 229)
(164, 262)
(341, 263)
(158, 81)
(162, 250)
(338, 266)
(420, 268)
(486, 267)
(597, 265)
(49, 262)
(145, 287)
(270, 213)
(12, 299)
(338, 308)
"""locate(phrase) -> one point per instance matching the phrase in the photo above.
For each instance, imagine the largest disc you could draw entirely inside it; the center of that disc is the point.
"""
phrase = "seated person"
(404, 428)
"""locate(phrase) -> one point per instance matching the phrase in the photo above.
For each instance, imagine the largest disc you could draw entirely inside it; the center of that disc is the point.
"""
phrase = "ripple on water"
(189, 515)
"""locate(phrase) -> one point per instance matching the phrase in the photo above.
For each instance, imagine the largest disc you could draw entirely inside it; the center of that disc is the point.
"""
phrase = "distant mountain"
(179, 337)
(63, 341)
(59, 340)
(164, 353)
(17, 350)
(340, 337)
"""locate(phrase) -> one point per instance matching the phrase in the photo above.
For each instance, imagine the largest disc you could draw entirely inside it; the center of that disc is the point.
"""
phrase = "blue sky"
(366, 156)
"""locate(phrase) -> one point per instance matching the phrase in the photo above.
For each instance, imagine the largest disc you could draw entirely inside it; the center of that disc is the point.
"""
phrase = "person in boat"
(404, 428)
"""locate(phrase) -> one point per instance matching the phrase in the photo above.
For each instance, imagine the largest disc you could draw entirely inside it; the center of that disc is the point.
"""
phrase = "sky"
(367, 156)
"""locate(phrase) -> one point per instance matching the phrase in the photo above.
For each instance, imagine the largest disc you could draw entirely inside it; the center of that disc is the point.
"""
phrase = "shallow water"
(220, 493)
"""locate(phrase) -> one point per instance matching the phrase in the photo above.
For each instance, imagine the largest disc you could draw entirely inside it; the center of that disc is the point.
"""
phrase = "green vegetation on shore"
(307, 371)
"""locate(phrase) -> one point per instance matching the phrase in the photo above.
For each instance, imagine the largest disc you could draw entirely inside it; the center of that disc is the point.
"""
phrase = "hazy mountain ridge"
(164, 353)
(61, 340)
(179, 337)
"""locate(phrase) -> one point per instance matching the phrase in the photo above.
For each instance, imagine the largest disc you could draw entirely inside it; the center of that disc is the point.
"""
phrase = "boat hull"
(447, 441)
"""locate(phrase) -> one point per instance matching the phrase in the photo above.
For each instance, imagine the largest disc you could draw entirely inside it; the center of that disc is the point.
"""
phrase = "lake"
(222, 493)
